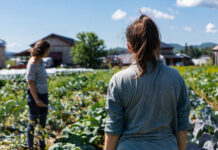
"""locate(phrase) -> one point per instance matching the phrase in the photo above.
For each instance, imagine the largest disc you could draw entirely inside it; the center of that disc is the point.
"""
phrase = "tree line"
(195, 52)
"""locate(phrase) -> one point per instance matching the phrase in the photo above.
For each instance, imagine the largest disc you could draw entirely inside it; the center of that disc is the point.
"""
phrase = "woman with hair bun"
(147, 103)
(37, 92)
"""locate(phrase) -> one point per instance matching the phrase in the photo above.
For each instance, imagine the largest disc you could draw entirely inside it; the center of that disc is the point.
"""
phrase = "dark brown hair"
(40, 48)
(144, 38)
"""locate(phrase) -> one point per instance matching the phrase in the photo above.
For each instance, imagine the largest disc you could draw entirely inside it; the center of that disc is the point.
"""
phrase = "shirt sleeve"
(31, 73)
(114, 108)
(183, 108)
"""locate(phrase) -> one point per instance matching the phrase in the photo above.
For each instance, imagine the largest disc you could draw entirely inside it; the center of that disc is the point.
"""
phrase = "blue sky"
(22, 22)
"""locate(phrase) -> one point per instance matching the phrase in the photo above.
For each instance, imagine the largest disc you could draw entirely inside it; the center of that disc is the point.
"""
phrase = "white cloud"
(211, 28)
(194, 3)
(118, 15)
(187, 28)
(188, 3)
(11, 45)
(156, 13)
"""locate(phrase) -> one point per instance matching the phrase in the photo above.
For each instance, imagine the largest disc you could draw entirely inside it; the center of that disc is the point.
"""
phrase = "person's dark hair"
(40, 48)
(144, 38)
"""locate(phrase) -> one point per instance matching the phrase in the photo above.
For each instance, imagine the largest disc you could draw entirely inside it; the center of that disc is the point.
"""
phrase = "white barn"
(2, 53)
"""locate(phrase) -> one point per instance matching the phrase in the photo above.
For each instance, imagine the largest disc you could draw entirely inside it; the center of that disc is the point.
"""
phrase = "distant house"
(112, 59)
(215, 55)
(126, 59)
(2, 53)
(166, 51)
(59, 51)
(171, 58)
(185, 59)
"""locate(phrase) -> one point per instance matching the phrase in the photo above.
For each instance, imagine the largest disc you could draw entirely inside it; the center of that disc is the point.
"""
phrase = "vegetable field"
(204, 81)
(79, 120)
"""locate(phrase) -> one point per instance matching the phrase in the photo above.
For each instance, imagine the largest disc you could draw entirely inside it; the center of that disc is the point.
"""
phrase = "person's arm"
(115, 116)
(182, 137)
(111, 141)
(32, 87)
(183, 110)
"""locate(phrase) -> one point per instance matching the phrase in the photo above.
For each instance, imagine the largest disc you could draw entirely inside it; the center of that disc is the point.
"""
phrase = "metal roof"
(23, 53)
(64, 38)
(2, 43)
(183, 55)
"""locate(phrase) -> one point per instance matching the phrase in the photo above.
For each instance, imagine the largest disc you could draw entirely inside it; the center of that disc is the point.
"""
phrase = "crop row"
(79, 120)
(204, 81)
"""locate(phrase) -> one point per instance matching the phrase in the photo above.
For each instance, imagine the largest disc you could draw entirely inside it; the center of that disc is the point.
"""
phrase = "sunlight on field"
(80, 99)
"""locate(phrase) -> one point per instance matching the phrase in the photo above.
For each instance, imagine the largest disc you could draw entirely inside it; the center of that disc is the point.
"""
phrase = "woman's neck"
(37, 60)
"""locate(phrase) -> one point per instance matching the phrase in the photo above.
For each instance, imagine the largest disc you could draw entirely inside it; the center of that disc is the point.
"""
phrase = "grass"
(10, 62)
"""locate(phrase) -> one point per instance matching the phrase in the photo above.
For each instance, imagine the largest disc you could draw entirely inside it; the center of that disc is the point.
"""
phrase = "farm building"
(171, 58)
(185, 59)
(126, 58)
(59, 50)
(166, 52)
(215, 55)
(2, 53)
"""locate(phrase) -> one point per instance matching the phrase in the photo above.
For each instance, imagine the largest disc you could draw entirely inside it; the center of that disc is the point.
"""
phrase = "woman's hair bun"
(40, 48)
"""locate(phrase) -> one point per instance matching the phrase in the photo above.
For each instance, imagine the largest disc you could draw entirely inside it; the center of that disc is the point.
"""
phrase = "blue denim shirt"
(147, 112)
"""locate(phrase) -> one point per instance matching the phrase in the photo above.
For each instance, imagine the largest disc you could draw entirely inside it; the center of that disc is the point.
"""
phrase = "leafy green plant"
(79, 97)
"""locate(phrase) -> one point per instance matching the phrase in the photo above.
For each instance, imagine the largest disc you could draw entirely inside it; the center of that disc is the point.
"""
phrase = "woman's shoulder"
(125, 74)
(170, 70)
(172, 74)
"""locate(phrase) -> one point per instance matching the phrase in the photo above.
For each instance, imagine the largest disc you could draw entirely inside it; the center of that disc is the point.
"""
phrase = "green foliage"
(204, 80)
(88, 50)
(78, 123)
(10, 62)
(207, 51)
(195, 52)
(79, 98)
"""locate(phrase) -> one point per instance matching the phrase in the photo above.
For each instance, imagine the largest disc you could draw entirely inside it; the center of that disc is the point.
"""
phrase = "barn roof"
(183, 55)
(23, 53)
(215, 48)
(2, 43)
(63, 38)
(165, 46)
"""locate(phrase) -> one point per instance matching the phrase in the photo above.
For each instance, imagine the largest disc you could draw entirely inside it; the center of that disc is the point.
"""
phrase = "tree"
(197, 52)
(88, 50)
(207, 51)
(186, 48)
(190, 51)
(193, 52)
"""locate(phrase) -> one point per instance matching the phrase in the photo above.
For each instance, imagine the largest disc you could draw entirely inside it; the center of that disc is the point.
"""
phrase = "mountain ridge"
(177, 47)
